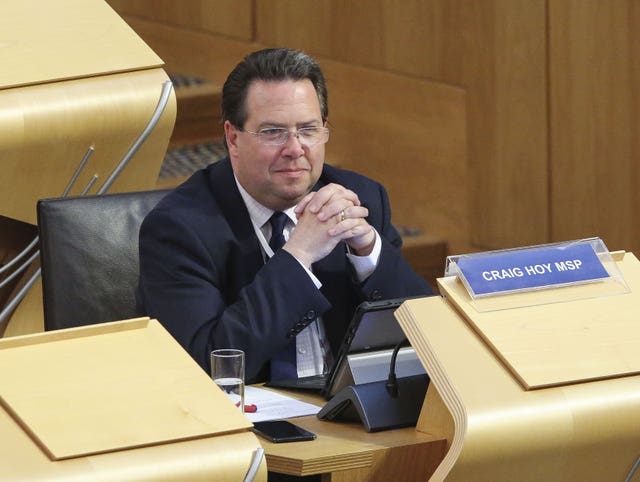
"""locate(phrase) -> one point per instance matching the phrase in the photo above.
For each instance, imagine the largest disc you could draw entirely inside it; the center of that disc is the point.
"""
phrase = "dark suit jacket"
(203, 275)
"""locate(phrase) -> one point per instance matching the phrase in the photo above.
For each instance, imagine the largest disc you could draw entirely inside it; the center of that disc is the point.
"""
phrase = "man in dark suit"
(211, 268)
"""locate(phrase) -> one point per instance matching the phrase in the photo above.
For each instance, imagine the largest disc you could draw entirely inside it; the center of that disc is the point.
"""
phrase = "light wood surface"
(102, 95)
(49, 127)
(344, 451)
(496, 429)
(66, 39)
(135, 386)
(224, 459)
(46, 132)
(547, 340)
(74, 76)
(211, 458)
(115, 401)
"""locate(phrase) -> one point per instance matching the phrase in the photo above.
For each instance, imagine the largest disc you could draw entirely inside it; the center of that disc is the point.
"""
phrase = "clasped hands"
(326, 217)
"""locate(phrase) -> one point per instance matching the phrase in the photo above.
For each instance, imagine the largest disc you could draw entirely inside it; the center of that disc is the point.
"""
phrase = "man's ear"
(231, 136)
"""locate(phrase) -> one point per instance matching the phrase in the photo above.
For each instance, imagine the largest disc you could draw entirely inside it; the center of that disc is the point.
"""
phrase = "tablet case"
(372, 327)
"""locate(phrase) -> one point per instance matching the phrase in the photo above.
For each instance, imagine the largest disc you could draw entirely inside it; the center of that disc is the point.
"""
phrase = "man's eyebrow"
(311, 123)
(280, 125)
(268, 124)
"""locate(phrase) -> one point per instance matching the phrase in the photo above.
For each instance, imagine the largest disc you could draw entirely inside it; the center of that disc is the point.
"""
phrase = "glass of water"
(227, 370)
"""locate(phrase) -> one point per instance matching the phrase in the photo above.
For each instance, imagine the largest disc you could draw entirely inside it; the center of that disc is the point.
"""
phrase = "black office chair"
(89, 256)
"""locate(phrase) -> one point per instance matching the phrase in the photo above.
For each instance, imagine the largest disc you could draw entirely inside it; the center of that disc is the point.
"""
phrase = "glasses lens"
(310, 136)
(273, 137)
(307, 136)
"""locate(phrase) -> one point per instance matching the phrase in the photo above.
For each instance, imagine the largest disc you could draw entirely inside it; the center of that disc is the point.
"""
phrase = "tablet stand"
(371, 404)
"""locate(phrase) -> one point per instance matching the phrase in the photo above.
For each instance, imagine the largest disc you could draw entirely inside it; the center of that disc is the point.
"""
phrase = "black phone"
(282, 431)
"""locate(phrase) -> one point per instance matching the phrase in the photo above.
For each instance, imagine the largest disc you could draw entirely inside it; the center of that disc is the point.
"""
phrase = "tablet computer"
(372, 334)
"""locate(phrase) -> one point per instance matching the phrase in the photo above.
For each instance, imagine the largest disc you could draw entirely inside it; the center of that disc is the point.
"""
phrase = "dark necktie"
(283, 363)
(278, 221)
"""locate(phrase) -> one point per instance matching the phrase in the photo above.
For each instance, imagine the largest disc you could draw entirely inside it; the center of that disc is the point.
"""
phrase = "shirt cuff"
(315, 280)
(365, 265)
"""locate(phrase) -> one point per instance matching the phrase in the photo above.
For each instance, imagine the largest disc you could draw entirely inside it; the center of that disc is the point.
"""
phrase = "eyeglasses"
(278, 136)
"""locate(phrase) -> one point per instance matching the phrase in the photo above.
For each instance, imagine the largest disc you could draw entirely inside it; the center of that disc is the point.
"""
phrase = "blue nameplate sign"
(534, 268)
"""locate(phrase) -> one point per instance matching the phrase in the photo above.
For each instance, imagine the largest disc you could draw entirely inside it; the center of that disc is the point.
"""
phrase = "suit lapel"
(225, 191)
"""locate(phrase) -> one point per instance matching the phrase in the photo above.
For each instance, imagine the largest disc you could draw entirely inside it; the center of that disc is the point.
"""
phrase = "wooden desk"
(581, 426)
(345, 452)
(148, 414)
(209, 458)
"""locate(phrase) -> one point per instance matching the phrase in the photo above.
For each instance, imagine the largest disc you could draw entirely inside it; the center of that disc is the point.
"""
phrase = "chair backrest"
(89, 256)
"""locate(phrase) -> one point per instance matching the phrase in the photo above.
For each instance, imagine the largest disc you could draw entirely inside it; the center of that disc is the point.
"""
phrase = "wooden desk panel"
(46, 129)
(563, 335)
(111, 386)
(116, 401)
(346, 452)
(499, 431)
(211, 458)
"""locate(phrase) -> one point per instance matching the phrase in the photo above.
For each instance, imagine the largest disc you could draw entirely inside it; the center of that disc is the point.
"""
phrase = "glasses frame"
(261, 135)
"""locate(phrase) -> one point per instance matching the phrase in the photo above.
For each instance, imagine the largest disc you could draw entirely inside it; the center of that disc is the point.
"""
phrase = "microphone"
(392, 381)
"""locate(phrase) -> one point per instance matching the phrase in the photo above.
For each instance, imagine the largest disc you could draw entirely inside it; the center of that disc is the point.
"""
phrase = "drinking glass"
(227, 370)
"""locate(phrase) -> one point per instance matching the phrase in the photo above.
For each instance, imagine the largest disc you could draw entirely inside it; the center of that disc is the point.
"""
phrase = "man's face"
(277, 176)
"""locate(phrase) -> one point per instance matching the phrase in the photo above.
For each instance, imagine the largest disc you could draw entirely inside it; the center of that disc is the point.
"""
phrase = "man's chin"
(292, 191)
(290, 197)
(298, 187)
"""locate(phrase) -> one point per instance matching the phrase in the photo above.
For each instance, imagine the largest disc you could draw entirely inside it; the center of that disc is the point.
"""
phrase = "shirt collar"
(259, 213)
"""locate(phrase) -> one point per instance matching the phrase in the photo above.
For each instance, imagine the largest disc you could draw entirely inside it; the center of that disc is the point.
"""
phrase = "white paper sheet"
(274, 406)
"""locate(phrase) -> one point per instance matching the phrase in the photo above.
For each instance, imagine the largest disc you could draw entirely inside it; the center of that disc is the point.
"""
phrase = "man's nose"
(293, 144)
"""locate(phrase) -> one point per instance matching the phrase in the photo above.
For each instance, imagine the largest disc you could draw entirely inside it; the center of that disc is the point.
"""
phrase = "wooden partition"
(493, 49)
(595, 120)
(52, 125)
(410, 135)
(406, 132)
(74, 76)
(551, 93)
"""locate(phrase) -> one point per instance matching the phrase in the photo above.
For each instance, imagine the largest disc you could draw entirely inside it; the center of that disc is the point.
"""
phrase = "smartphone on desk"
(279, 431)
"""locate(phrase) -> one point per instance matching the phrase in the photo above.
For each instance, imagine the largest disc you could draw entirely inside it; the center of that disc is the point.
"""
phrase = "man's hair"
(269, 65)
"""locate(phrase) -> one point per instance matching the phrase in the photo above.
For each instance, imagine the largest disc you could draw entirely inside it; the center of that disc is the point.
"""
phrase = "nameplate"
(528, 269)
